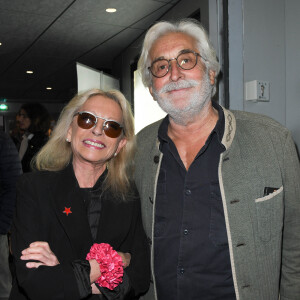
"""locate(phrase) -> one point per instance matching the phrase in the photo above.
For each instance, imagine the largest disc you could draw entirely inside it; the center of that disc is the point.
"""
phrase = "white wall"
(264, 54)
(146, 110)
(264, 45)
(236, 64)
(292, 42)
(90, 78)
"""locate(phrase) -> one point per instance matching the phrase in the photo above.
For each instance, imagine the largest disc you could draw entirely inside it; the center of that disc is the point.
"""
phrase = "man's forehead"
(169, 44)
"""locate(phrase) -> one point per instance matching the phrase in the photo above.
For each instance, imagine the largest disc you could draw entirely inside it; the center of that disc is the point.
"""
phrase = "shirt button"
(185, 231)
(188, 192)
(181, 271)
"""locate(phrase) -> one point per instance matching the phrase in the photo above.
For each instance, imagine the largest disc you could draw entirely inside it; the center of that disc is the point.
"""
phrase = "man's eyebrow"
(185, 51)
(158, 58)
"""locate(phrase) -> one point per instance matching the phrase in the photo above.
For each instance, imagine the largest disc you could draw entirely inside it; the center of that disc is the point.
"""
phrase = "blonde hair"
(189, 27)
(57, 153)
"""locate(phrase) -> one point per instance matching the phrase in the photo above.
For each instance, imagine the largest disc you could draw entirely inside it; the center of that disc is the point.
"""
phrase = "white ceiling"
(50, 36)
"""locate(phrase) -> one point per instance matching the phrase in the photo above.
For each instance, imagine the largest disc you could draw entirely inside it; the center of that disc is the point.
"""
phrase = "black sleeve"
(45, 282)
(122, 292)
(82, 271)
(10, 170)
(138, 271)
(136, 279)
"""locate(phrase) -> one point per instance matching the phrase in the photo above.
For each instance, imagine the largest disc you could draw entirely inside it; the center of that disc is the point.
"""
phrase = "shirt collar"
(163, 130)
(220, 126)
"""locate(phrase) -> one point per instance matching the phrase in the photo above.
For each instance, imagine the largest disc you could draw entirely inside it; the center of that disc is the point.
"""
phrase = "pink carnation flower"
(110, 263)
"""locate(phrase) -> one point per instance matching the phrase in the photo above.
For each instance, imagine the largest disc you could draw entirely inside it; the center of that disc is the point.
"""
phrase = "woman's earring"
(115, 154)
(67, 140)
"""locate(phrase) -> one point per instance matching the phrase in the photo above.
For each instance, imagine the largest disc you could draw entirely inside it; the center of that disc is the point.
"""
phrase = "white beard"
(193, 105)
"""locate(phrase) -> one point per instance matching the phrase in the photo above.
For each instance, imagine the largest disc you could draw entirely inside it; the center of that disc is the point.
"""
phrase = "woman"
(34, 121)
(81, 195)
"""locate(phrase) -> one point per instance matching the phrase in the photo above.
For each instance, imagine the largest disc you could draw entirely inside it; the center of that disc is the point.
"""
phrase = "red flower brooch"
(110, 263)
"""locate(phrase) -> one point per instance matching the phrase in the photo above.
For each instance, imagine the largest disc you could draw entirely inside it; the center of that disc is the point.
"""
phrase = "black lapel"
(115, 220)
(69, 197)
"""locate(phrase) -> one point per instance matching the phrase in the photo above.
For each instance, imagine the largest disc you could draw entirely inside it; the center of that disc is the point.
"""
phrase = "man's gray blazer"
(263, 231)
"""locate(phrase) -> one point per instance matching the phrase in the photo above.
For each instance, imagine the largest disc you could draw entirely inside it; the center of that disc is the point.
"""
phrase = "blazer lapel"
(71, 211)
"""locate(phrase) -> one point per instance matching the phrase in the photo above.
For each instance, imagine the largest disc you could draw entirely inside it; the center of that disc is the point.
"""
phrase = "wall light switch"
(257, 90)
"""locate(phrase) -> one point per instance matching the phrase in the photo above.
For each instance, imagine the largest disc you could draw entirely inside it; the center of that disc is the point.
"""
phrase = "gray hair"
(190, 27)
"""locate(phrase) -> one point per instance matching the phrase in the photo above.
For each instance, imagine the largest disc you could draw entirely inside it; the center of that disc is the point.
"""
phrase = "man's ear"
(212, 78)
(151, 92)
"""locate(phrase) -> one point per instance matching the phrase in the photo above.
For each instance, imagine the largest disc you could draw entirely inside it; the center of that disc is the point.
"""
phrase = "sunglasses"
(87, 120)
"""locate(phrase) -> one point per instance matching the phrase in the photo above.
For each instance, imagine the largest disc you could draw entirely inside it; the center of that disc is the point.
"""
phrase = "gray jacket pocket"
(269, 211)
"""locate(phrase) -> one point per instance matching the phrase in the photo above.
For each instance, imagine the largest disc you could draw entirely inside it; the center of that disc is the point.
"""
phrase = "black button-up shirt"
(191, 254)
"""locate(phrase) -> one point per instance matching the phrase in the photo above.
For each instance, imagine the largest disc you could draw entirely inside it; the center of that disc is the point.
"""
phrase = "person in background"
(80, 202)
(220, 189)
(34, 121)
(10, 170)
(16, 133)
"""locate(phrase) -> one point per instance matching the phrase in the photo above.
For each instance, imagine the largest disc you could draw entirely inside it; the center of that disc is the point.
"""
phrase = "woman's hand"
(41, 252)
(126, 257)
(95, 290)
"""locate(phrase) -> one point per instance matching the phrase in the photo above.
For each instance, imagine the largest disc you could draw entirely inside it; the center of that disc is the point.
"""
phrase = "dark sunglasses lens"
(112, 129)
(86, 120)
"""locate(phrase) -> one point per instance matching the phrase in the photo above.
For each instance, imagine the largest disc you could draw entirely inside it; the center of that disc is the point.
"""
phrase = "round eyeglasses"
(87, 120)
(186, 61)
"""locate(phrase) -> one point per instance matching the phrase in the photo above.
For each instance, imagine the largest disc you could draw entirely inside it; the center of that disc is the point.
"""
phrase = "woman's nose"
(98, 128)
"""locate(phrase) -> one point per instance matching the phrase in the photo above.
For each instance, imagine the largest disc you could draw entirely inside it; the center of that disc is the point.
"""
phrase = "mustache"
(182, 84)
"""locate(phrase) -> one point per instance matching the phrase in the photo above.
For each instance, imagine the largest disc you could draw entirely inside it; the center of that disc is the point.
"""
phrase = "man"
(10, 169)
(220, 190)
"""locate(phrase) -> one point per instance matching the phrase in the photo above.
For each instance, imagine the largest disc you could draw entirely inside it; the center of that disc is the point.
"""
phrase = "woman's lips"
(94, 144)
